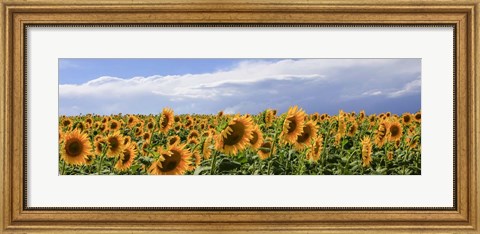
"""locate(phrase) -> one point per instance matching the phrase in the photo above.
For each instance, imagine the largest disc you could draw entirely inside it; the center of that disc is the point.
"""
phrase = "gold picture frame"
(464, 15)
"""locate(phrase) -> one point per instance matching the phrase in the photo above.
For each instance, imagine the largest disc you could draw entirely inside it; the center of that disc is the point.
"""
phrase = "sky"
(206, 86)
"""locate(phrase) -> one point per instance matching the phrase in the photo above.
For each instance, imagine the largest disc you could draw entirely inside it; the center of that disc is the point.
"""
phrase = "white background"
(434, 188)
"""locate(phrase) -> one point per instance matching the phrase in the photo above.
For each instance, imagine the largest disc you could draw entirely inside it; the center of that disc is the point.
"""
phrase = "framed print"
(207, 116)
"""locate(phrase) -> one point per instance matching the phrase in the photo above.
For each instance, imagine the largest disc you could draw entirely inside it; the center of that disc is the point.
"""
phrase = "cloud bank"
(316, 85)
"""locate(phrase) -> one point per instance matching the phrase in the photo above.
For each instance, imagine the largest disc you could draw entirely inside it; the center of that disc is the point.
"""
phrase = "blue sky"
(206, 86)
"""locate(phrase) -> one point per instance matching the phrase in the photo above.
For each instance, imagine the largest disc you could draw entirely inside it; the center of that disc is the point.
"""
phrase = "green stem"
(269, 167)
(212, 166)
(104, 151)
(63, 167)
(100, 166)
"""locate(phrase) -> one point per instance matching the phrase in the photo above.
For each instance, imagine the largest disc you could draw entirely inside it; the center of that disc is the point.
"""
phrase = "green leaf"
(201, 169)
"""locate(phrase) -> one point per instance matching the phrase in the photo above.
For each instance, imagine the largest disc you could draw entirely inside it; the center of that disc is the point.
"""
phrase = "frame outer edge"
(475, 194)
(2, 114)
(6, 108)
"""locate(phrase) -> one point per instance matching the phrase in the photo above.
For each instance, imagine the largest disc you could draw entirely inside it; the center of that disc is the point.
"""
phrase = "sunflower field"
(292, 143)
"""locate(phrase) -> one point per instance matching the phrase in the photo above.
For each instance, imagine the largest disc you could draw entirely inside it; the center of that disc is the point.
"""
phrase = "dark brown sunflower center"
(74, 147)
(172, 140)
(193, 135)
(113, 142)
(254, 138)
(292, 124)
(113, 125)
(406, 118)
(352, 129)
(150, 125)
(394, 130)
(98, 146)
(418, 116)
(146, 136)
(130, 120)
(316, 148)
(307, 132)
(165, 121)
(126, 156)
(238, 131)
(66, 122)
(171, 162)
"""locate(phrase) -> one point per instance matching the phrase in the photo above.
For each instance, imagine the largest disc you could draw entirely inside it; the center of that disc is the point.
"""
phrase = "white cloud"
(409, 88)
(250, 86)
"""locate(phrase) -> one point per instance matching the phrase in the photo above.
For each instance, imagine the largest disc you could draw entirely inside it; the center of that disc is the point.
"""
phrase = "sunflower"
(176, 161)
(103, 127)
(397, 143)
(80, 126)
(176, 119)
(395, 129)
(352, 129)
(414, 143)
(150, 124)
(146, 136)
(105, 120)
(406, 118)
(145, 149)
(127, 140)
(316, 149)
(66, 122)
(390, 155)
(293, 124)
(418, 117)
(373, 119)
(193, 141)
(220, 114)
(113, 125)
(89, 120)
(193, 134)
(178, 127)
(99, 144)
(75, 147)
(126, 158)
(338, 138)
(361, 116)
(323, 117)
(269, 116)
(342, 125)
(366, 151)
(309, 132)
(89, 159)
(167, 119)
(138, 131)
(235, 136)
(189, 123)
(257, 138)
(206, 151)
(197, 157)
(381, 133)
(60, 136)
(315, 117)
(173, 140)
(115, 144)
(264, 151)
(132, 121)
